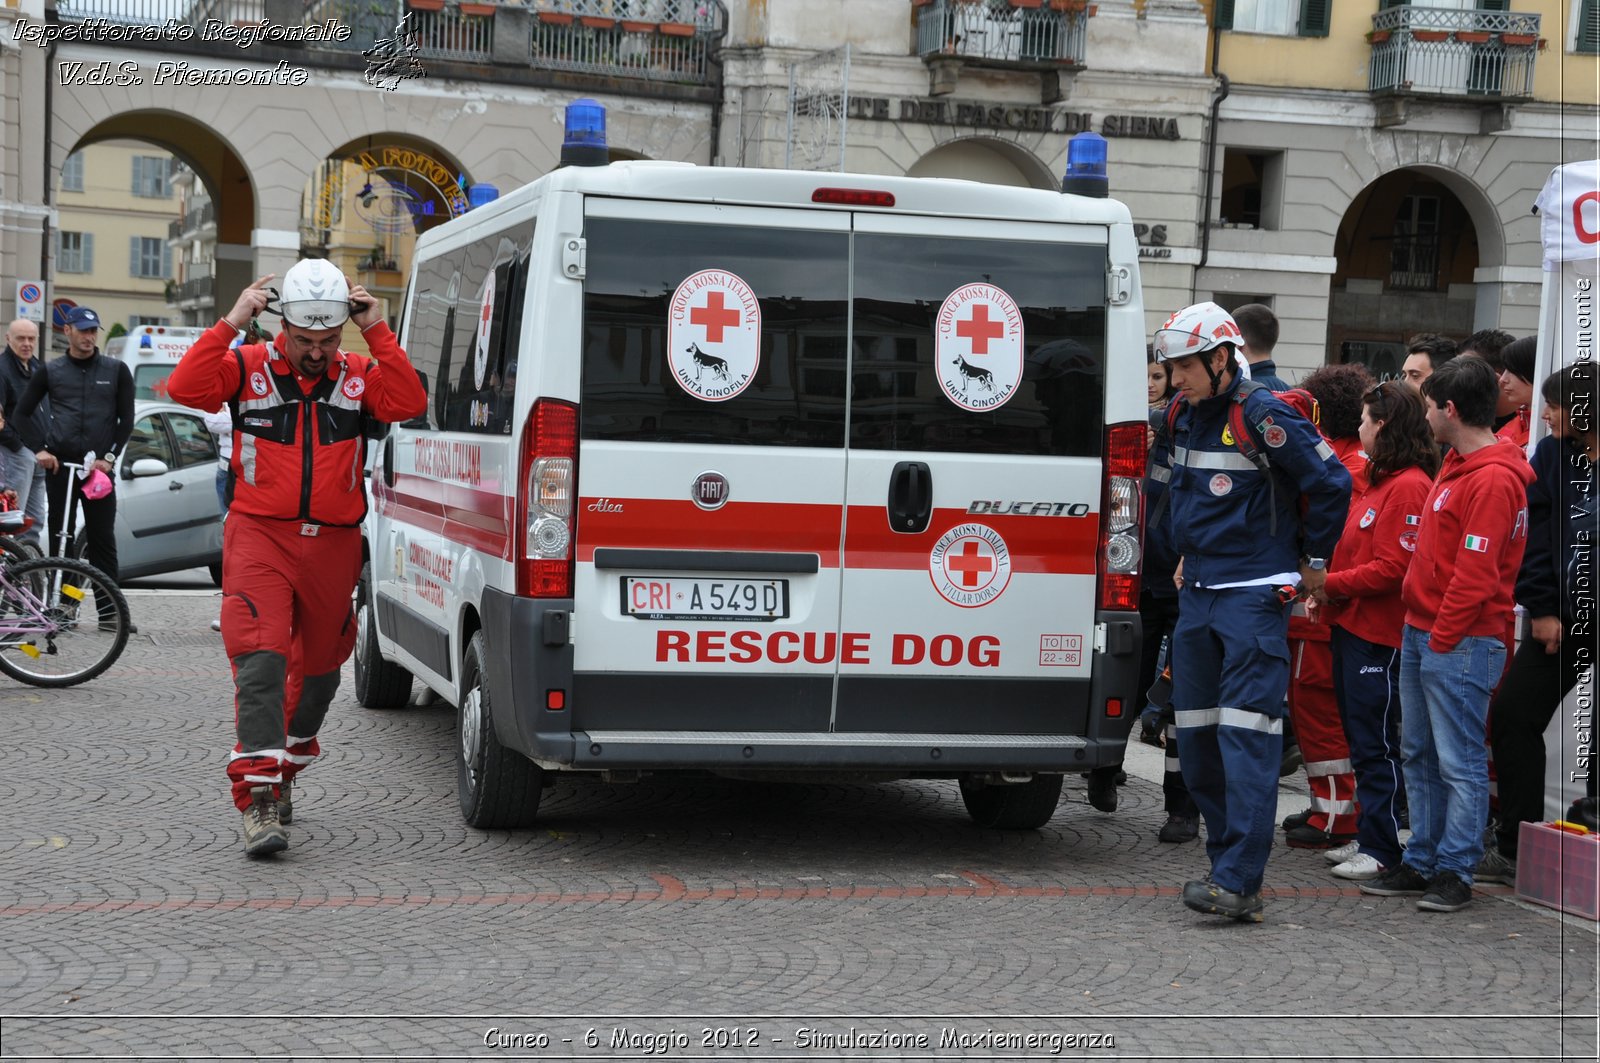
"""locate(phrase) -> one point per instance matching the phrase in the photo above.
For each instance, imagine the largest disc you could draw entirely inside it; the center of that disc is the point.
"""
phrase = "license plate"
(678, 598)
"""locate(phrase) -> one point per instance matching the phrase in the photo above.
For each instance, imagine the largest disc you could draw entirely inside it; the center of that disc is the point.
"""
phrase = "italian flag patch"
(1413, 519)
(1478, 543)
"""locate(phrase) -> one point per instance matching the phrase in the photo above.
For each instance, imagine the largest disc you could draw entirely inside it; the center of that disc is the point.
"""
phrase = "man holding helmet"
(1233, 509)
(291, 549)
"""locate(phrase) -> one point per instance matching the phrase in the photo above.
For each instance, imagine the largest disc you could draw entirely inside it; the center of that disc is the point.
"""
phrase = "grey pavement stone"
(130, 921)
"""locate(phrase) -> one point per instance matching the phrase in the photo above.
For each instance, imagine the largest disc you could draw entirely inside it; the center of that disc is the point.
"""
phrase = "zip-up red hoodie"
(1474, 529)
(1373, 554)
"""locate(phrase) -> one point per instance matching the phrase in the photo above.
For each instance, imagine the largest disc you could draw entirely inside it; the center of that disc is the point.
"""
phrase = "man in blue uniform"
(1237, 525)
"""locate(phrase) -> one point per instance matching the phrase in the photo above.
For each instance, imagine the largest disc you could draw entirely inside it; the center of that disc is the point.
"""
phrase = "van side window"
(796, 397)
(897, 401)
(477, 377)
(428, 329)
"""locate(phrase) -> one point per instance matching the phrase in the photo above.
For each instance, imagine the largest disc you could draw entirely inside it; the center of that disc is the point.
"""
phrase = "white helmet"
(315, 295)
(1195, 330)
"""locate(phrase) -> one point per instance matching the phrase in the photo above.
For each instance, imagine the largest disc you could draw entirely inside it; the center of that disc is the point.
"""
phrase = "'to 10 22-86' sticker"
(714, 335)
(978, 347)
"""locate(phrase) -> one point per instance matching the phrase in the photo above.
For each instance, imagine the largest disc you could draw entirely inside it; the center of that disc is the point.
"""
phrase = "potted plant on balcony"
(1027, 3)
(556, 18)
(477, 10)
(1430, 36)
(1518, 40)
(425, 5)
(1378, 36)
(676, 29)
(1473, 36)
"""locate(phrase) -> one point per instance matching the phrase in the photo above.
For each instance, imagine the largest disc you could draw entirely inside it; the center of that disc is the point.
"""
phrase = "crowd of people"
(1343, 561)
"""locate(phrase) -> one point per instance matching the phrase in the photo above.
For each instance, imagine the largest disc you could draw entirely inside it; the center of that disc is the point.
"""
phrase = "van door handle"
(388, 460)
(910, 497)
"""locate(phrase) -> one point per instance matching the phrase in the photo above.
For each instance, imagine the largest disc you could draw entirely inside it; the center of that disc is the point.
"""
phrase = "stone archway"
(1409, 247)
(997, 162)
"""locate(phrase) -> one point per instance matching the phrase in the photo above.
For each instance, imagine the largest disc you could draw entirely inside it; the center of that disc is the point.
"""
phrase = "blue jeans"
(1442, 741)
(20, 472)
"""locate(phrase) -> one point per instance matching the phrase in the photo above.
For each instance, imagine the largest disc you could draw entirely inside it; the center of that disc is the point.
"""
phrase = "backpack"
(1299, 400)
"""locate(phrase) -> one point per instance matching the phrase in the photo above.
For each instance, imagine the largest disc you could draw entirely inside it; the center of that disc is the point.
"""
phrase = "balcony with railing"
(1043, 36)
(1442, 52)
(662, 41)
(195, 292)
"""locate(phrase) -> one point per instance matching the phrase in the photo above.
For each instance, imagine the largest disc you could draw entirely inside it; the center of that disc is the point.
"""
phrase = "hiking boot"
(1306, 836)
(1359, 867)
(1212, 899)
(263, 833)
(1446, 893)
(1402, 881)
(1296, 819)
(1291, 761)
(1179, 829)
(1342, 853)
(1103, 790)
(1496, 867)
(286, 802)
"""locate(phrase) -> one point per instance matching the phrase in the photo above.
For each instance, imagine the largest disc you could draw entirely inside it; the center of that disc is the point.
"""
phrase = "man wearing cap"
(91, 412)
(20, 441)
(291, 547)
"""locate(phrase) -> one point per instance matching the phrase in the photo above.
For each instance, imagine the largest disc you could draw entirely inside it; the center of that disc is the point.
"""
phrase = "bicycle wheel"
(61, 621)
(13, 551)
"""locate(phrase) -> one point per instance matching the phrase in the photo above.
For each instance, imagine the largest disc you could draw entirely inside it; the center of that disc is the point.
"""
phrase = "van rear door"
(711, 467)
(975, 438)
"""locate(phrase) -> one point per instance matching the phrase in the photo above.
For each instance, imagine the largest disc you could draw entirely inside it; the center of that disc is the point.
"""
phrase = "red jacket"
(1348, 450)
(298, 445)
(1372, 557)
(1515, 431)
(1474, 530)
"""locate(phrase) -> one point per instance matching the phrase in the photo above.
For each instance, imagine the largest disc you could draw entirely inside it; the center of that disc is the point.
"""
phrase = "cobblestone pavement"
(131, 925)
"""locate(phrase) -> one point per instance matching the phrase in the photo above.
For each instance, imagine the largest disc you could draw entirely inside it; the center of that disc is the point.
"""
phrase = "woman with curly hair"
(1313, 708)
(1361, 600)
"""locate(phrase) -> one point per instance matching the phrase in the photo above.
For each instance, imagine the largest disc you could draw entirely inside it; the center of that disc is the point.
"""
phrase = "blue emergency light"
(1086, 166)
(585, 140)
(144, 342)
(479, 194)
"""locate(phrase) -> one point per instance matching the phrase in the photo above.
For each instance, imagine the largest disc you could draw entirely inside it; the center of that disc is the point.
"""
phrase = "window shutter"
(1494, 5)
(1314, 17)
(166, 261)
(1387, 4)
(1588, 28)
(88, 252)
(1224, 14)
(138, 171)
(133, 257)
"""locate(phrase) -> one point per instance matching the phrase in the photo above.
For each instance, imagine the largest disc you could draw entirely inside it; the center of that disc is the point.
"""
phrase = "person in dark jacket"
(20, 440)
(91, 412)
(1258, 328)
(1237, 528)
(1556, 575)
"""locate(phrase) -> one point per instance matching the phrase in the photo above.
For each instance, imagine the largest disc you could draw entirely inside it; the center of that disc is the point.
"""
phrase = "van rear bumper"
(530, 654)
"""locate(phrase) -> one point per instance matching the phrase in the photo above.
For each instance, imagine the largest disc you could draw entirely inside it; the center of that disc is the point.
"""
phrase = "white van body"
(749, 471)
(152, 353)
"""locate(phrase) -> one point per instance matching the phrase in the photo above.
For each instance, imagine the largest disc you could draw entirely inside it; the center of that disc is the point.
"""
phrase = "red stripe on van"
(671, 524)
(1056, 545)
(479, 520)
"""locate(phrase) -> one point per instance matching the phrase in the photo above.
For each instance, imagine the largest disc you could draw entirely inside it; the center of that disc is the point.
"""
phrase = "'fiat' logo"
(710, 490)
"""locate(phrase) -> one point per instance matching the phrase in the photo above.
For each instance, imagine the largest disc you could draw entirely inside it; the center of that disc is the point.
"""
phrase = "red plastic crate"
(1559, 868)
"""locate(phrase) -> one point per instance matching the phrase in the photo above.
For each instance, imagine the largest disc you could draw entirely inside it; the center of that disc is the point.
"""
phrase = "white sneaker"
(216, 625)
(1359, 866)
(1342, 853)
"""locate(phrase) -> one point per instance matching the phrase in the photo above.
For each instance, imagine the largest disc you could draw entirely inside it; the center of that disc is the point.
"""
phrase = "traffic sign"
(30, 301)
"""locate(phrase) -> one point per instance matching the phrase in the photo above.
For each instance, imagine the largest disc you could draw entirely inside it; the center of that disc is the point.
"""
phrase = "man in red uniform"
(291, 549)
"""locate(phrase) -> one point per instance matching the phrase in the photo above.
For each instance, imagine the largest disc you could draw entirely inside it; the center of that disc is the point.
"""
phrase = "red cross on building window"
(980, 330)
(714, 317)
(969, 564)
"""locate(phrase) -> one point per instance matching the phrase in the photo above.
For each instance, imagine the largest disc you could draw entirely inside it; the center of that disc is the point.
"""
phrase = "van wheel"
(380, 684)
(498, 787)
(1025, 806)
(216, 573)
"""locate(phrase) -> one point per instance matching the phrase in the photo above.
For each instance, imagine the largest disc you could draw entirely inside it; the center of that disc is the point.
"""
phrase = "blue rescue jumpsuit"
(1230, 651)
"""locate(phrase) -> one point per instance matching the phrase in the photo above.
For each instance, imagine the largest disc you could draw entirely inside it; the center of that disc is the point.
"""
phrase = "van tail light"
(1121, 517)
(548, 482)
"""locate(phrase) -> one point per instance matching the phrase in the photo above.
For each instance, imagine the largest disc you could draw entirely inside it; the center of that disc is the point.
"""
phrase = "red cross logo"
(487, 311)
(714, 317)
(969, 564)
(980, 330)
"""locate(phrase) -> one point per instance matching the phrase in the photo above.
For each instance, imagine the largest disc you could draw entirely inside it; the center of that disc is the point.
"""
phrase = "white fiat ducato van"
(767, 472)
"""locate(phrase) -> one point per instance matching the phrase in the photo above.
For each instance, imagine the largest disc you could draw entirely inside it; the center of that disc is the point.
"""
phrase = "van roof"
(680, 181)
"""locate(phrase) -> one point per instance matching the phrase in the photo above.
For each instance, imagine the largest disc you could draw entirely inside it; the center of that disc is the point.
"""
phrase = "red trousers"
(288, 626)
(1315, 713)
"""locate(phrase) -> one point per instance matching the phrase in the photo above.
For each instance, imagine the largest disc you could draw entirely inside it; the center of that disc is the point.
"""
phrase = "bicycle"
(62, 621)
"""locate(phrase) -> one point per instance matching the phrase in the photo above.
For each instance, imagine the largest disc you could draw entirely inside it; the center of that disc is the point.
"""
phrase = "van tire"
(1024, 806)
(499, 787)
(380, 684)
(215, 571)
